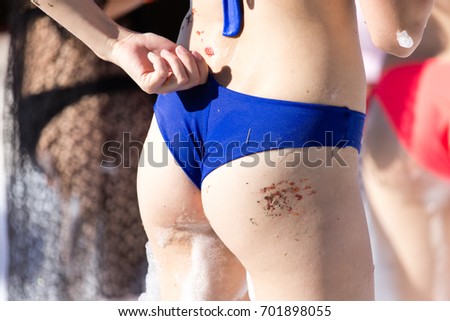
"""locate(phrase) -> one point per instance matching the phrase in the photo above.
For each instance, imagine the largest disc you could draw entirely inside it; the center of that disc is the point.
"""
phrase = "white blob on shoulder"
(404, 40)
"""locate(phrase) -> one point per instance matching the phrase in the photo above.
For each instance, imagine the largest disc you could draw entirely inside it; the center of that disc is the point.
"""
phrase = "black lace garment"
(74, 226)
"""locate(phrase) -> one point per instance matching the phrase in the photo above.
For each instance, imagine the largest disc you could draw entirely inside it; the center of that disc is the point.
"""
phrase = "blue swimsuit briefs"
(209, 125)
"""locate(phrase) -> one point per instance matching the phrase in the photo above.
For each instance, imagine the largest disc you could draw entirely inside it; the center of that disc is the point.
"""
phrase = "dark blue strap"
(232, 16)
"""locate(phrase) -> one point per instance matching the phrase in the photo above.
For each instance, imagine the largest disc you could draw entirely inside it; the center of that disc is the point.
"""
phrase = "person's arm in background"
(155, 63)
(396, 26)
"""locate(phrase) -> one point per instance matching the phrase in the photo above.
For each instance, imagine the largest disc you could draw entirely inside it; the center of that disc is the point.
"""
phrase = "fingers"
(151, 81)
(202, 66)
(189, 63)
(175, 71)
(181, 75)
(194, 63)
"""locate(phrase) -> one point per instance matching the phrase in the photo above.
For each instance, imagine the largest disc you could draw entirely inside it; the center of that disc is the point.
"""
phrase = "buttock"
(208, 126)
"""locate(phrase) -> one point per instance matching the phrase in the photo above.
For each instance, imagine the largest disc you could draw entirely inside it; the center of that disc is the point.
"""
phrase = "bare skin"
(118, 8)
(300, 231)
(314, 243)
(410, 206)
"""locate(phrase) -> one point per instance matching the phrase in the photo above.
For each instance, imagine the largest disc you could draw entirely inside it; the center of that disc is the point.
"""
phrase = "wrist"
(112, 43)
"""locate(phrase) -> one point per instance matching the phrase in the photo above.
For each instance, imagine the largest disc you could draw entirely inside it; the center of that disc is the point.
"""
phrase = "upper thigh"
(296, 224)
(167, 197)
(181, 237)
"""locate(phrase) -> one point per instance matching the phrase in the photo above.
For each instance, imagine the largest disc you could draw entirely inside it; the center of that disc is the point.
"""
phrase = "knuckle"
(148, 89)
(183, 80)
(147, 86)
(196, 81)
(202, 80)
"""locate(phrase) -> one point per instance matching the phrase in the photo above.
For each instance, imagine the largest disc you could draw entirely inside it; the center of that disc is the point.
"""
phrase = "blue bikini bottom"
(209, 125)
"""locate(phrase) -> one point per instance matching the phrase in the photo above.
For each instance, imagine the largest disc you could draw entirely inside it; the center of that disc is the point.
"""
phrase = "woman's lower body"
(291, 217)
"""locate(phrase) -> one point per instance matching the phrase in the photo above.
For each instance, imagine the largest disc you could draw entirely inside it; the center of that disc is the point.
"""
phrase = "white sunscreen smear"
(404, 40)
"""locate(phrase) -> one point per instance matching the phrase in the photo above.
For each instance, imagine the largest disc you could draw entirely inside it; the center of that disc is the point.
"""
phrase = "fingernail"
(182, 50)
(165, 52)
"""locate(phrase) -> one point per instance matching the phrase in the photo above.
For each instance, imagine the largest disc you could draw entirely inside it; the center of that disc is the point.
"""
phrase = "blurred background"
(70, 228)
(4, 45)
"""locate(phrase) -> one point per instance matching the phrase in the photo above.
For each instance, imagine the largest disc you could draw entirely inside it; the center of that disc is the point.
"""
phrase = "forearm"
(85, 20)
(118, 8)
(156, 64)
(396, 26)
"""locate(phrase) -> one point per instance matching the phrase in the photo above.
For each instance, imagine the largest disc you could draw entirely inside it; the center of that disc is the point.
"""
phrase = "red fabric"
(416, 99)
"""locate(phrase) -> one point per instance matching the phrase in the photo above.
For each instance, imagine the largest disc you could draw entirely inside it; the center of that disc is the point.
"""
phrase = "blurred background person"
(406, 167)
(373, 59)
(74, 227)
(373, 56)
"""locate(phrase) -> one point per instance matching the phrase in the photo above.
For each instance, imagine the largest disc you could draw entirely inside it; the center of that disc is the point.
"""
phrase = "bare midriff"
(296, 50)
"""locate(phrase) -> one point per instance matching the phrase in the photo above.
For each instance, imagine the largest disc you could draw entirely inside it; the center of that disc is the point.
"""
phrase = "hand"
(157, 64)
